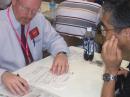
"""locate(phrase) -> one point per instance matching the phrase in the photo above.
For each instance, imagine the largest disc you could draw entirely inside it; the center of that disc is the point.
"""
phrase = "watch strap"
(109, 77)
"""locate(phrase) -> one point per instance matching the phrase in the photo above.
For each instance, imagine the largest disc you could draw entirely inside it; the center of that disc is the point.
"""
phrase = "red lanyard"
(26, 48)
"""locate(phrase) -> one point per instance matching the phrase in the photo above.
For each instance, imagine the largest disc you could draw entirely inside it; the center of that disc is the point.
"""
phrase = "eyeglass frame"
(101, 28)
(25, 9)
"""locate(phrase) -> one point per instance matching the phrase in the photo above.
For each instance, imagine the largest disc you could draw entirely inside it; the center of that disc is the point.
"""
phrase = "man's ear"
(127, 33)
(109, 34)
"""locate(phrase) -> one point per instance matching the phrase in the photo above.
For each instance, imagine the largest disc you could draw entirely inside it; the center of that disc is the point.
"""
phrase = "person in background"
(4, 4)
(74, 16)
(100, 1)
(25, 33)
(116, 25)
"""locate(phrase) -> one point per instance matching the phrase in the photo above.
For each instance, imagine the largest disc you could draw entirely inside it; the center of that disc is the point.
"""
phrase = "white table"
(86, 80)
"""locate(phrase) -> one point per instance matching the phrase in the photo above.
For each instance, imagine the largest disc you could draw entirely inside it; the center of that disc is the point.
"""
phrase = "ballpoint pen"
(20, 82)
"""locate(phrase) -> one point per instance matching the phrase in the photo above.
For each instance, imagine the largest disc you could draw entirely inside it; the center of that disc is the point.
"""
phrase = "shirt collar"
(15, 22)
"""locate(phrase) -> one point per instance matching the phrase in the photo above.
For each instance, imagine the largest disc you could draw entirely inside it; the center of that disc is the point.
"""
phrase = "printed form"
(34, 92)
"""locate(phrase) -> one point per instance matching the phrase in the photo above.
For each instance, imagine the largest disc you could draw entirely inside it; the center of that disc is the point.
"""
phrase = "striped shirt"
(74, 16)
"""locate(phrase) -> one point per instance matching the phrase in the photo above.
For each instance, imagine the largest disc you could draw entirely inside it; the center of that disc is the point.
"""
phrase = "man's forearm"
(108, 89)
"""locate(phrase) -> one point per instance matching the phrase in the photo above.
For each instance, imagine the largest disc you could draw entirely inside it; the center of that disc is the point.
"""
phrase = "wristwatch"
(107, 77)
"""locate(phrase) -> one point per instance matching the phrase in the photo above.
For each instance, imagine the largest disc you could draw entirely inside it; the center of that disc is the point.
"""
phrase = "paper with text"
(34, 92)
(42, 75)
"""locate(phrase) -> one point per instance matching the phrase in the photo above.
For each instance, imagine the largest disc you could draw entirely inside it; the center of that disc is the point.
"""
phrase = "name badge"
(34, 33)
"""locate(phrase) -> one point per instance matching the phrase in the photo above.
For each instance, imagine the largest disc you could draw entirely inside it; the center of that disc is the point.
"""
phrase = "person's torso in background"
(74, 16)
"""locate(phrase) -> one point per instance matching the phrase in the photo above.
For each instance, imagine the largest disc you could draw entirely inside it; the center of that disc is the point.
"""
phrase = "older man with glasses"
(116, 25)
(25, 33)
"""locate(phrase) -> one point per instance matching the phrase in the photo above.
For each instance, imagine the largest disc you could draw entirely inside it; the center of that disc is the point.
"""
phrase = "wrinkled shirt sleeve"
(52, 40)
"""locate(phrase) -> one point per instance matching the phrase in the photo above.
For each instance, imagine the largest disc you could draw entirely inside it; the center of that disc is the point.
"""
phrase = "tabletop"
(84, 78)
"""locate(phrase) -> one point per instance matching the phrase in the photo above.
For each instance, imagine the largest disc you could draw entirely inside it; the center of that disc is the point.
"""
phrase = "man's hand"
(123, 71)
(60, 64)
(111, 54)
(15, 84)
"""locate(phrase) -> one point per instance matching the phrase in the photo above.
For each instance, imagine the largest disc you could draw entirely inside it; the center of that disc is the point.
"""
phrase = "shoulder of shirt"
(38, 19)
(2, 22)
(39, 15)
(3, 18)
(3, 14)
(4, 26)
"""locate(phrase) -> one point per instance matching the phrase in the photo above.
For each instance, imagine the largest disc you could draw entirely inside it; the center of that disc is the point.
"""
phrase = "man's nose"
(30, 15)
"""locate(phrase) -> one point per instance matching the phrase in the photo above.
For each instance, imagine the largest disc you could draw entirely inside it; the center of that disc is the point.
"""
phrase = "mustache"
(27, 19)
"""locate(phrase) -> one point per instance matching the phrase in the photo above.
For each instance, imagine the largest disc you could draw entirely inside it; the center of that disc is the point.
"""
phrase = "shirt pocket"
(37, 43)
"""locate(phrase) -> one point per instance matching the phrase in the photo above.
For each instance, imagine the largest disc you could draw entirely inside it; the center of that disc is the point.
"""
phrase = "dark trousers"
(123, 84)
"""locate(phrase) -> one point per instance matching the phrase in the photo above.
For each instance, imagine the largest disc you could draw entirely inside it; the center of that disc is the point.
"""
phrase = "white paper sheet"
(42, 75)
(34, 92)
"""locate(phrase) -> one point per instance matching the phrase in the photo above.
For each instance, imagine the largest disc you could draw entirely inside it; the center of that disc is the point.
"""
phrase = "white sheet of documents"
(34, 92)
(44, 77)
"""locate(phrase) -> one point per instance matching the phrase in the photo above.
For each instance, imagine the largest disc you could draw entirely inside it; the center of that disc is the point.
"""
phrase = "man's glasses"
(26, 9)
(101, 29)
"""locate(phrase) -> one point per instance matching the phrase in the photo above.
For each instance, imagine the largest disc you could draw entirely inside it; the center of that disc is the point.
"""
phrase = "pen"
(18, 75)
(20, 82)
(34, 42)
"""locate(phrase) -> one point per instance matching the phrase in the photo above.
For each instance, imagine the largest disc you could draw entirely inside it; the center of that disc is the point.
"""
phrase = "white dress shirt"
(11, 55)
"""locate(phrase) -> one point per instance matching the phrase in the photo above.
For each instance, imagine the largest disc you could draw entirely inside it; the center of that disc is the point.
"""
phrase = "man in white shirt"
(25, 33)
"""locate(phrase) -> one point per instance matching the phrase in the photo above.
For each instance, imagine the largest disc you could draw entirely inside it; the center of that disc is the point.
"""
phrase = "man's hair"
(120, 12)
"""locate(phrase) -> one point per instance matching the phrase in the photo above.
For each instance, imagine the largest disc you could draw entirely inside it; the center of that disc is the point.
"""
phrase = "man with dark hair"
(116, 26)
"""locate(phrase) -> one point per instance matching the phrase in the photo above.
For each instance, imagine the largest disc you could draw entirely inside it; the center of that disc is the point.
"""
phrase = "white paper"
(34, 92)
(42, 75)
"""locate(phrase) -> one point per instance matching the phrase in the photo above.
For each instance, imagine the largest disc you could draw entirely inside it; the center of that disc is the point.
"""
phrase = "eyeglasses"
(101, 29)
(26, 9)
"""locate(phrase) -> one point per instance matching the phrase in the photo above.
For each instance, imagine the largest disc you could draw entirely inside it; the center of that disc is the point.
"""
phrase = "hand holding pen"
(15, 84)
